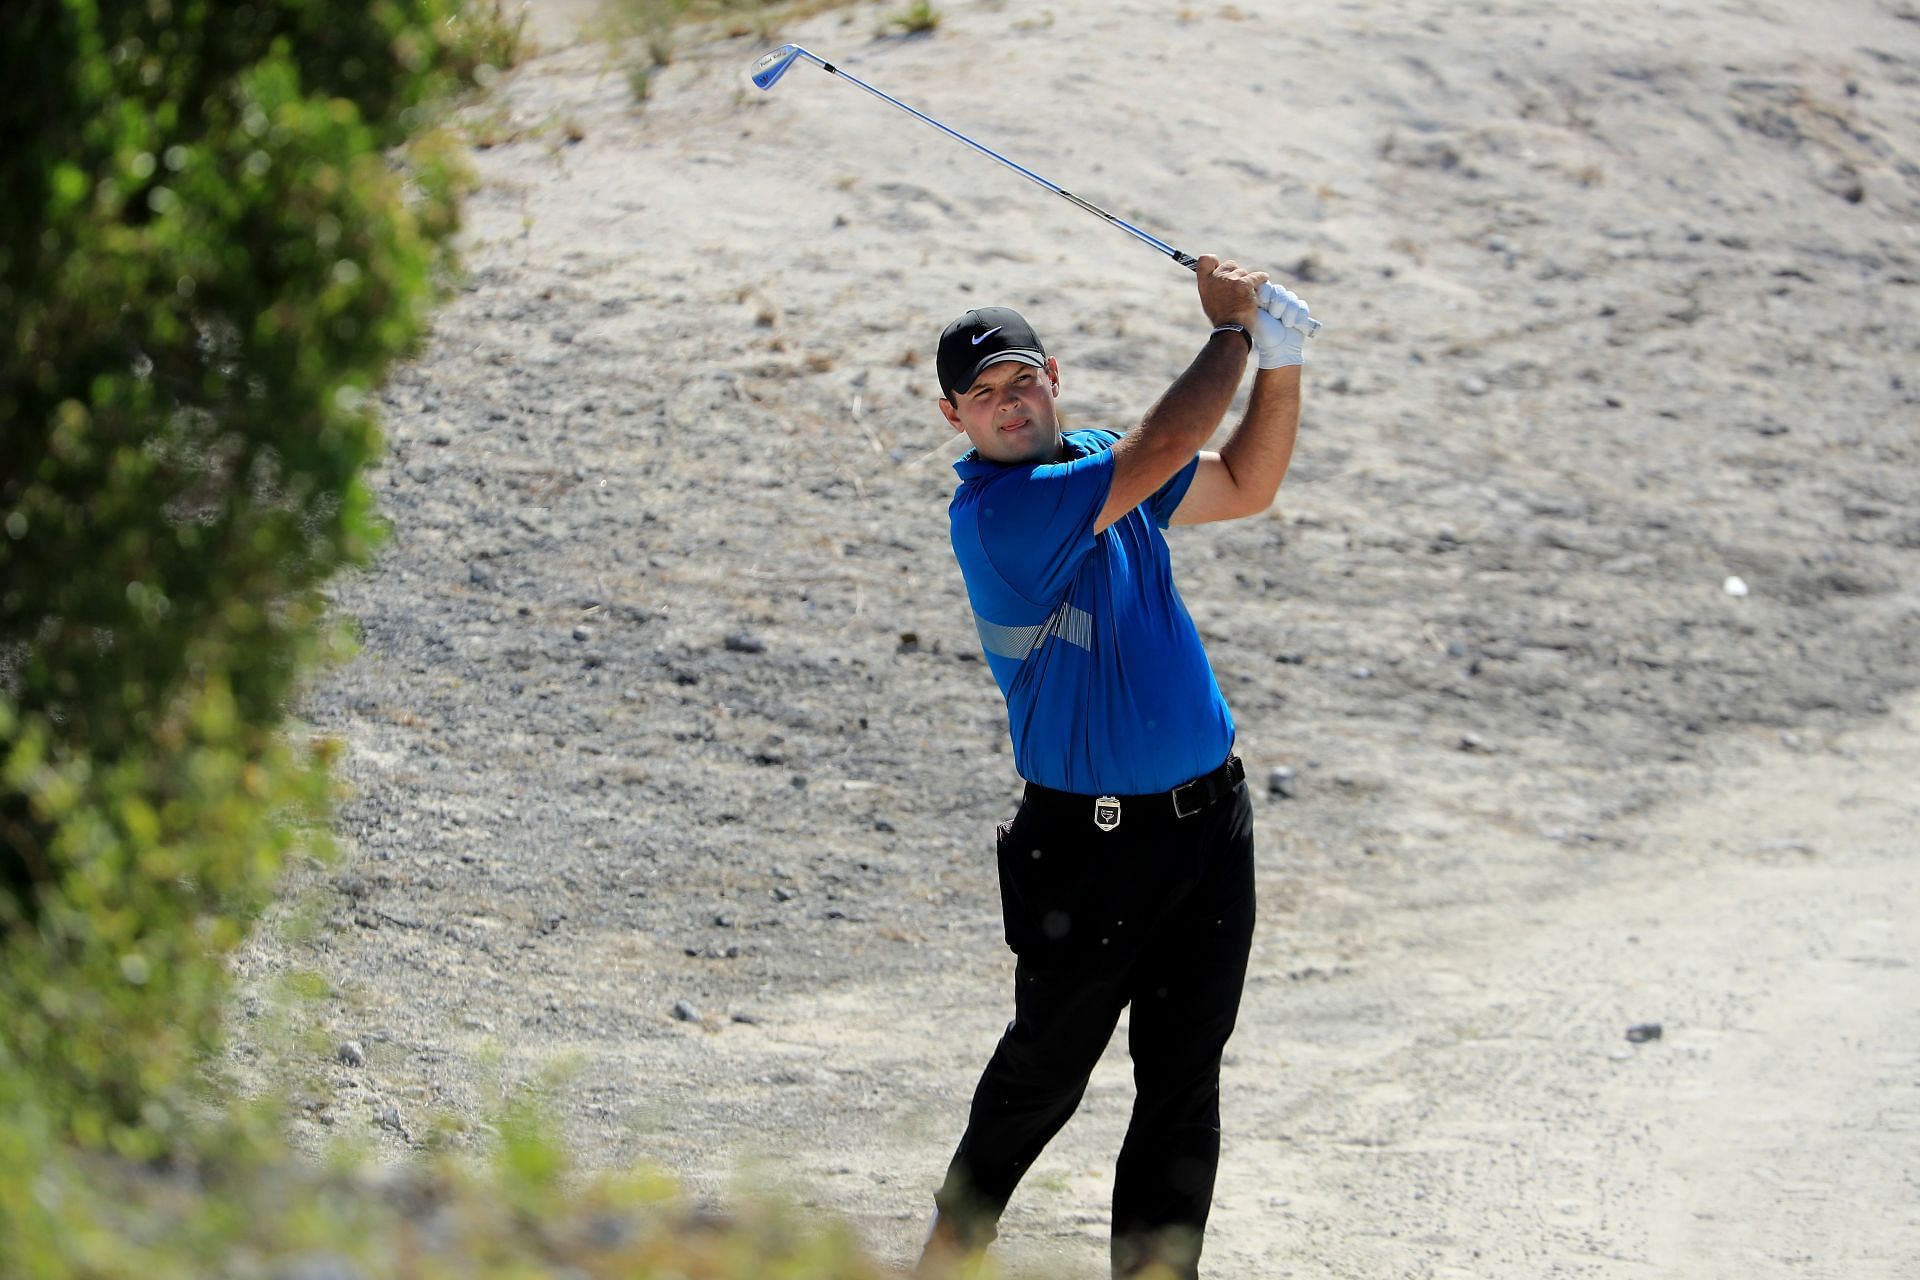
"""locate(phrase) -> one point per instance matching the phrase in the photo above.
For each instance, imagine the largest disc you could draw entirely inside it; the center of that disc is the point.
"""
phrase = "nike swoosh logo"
(988, 334)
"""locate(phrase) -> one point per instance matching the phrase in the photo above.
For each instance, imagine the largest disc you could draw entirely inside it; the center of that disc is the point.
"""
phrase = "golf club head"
(771, 65)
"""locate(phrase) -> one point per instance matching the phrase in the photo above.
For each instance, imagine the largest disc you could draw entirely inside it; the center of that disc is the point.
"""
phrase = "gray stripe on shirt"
(1075, 626)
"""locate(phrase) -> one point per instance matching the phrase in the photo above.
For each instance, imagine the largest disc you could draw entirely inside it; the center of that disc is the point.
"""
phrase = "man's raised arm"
(1242, 478)
(1185, 417)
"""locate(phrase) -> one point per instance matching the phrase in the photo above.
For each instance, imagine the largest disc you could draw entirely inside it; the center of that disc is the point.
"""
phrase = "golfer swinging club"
(1126, 876)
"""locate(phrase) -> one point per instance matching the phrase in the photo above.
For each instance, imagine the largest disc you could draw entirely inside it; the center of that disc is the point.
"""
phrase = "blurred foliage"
(240, 1206)
(917, 18)
(224, 222)
(210, 253)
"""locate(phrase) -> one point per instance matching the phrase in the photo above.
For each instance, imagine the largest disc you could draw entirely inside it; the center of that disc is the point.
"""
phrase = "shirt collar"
(971, 466)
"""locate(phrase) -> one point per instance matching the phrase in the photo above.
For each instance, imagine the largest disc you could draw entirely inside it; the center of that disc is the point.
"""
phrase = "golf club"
(770, 66)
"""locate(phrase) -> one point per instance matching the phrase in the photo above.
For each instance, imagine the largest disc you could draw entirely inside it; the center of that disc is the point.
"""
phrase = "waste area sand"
(670, 757)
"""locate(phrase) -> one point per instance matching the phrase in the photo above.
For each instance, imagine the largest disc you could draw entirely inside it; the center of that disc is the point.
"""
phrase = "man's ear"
(948, 412)
(1053, 375)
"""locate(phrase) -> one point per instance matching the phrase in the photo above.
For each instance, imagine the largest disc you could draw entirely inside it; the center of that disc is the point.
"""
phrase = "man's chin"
(1029, 444)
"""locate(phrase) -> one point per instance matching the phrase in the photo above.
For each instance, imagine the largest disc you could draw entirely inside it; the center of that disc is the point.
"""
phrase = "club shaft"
(1184, 259)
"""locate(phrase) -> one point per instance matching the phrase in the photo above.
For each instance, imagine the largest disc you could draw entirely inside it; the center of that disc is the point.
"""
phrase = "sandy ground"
(669, 696)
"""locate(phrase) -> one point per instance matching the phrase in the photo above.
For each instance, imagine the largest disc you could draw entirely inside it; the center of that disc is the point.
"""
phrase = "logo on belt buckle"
(1106, 812)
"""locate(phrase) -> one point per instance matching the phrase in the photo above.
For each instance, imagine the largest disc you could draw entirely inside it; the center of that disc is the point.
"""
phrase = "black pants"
(1157, 913)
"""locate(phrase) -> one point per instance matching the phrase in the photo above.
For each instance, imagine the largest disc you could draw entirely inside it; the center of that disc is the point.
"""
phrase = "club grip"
(1274, 303)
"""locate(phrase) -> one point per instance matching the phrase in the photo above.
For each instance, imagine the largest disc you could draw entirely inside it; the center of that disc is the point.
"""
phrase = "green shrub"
(917, 18)
(208, 258)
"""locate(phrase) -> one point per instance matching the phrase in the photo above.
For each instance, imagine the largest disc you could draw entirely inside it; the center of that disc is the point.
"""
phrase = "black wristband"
(1234, 328)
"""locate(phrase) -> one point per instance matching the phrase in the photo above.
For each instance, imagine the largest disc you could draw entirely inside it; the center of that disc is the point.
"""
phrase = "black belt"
(1182, 801)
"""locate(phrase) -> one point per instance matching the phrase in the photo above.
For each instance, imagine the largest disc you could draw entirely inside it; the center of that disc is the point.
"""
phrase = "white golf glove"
(1279, 328)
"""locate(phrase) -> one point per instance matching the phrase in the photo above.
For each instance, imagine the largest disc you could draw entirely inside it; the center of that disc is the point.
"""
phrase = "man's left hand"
(1276, 340)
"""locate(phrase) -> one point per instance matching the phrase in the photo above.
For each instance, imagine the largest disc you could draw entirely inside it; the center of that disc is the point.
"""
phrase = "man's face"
(1008, 412)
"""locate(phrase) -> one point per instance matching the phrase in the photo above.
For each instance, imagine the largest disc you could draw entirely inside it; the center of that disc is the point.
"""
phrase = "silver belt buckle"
(1178, 812)
(1106, 812)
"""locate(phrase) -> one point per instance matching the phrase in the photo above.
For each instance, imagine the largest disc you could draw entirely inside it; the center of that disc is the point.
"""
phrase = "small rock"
(1735, 587)
(582, 633)
(1471, 742)
(747, 1019)
(1641, 1032)
(389, 1117)
(745, 642)
(1474, 385)
(1280, 781)
(685, 1012)
(722, 920)
(352, 1054)
(783, 894)
(479, 575)
(1361, 673)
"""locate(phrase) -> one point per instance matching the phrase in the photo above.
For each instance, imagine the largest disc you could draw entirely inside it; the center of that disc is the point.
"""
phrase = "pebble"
(745, 642)
(685, 1012)
(582, 633)
(1735, 587)
(1280, 781)
(1641, 1032)
(1475, 385)
(352, 1054)
(1471, 742)
(389, 1117)
(479, 575)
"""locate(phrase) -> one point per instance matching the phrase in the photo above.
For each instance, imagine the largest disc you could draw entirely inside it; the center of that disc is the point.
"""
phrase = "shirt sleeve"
(1167, 498)
(1036, 525)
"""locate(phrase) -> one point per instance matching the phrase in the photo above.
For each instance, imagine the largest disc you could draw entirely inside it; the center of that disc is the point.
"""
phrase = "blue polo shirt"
(1108, 690)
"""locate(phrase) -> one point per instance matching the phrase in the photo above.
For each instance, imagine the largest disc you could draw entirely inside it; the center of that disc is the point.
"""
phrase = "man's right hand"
(1229, 293)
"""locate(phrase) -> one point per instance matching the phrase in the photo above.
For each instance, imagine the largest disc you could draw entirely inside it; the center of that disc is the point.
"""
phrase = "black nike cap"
(985, 336)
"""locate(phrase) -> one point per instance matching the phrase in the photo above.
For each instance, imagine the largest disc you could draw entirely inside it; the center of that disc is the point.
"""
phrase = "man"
(1126, 876)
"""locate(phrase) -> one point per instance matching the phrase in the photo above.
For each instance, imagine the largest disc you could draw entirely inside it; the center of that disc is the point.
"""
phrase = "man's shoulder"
(1092, 439)
(978, 477)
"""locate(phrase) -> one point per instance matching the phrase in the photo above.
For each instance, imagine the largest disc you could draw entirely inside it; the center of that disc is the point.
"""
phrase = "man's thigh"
(1186, 986)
